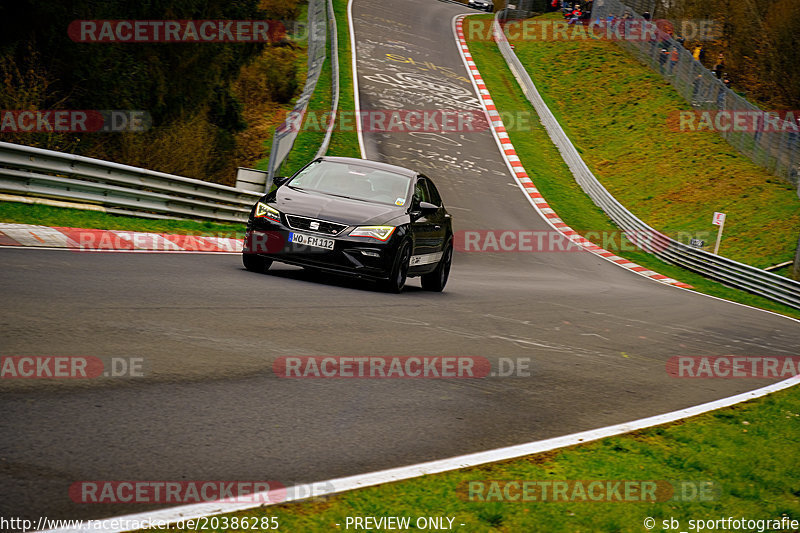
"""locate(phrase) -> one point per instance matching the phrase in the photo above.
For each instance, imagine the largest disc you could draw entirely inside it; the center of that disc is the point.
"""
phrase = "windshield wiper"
(343, 196)
(331, 194)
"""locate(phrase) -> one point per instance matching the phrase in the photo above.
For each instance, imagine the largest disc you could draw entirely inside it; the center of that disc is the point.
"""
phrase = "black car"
(485, 5)
(351, 216)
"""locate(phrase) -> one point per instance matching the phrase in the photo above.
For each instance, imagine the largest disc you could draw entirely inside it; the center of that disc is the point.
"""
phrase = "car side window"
(421, 191)
(436, 199)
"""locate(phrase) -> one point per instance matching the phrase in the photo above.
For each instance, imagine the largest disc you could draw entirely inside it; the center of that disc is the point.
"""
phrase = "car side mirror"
(428, 208)
(423, 209)
(279, 180)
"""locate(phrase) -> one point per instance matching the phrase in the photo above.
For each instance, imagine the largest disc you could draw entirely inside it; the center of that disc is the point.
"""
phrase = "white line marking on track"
(343, 484)
(356, 99)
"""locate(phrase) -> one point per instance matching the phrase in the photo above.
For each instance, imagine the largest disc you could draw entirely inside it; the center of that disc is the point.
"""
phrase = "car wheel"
(255, 263)
(399, 274)
(436, 280)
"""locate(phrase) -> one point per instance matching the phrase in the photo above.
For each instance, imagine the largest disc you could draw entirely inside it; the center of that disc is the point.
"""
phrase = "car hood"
(333, 208)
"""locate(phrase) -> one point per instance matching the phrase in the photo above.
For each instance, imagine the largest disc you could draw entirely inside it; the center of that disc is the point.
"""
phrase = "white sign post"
(719, 220)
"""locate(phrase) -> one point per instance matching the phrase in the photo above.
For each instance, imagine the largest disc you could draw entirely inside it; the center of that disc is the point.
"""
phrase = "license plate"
(311, 240)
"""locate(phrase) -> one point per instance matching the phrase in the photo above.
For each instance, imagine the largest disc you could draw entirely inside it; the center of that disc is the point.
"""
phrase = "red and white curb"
(523, 179)
(98, 240)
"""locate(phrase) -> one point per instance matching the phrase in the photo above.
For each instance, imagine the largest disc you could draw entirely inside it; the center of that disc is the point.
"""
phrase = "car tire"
(436, 280)
(399, 274)
(256, 263)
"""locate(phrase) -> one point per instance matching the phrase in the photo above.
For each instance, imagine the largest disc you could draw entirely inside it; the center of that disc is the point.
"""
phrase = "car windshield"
(353, 181)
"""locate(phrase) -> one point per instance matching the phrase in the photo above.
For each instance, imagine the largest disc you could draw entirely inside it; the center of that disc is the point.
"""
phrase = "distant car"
(485, 5)
(356, 217)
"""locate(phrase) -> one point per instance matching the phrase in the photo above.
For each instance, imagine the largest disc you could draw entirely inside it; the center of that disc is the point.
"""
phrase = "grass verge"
(552, 177)
(344, 142)
(738, 461)
(622, 118)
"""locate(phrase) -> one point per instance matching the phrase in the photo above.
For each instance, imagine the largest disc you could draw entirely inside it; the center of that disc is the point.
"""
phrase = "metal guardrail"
(727, 271)
(286, 133)
(334, 40)
(121, 188)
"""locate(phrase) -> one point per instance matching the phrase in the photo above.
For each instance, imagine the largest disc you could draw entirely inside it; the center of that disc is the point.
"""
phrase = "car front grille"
(325, 227)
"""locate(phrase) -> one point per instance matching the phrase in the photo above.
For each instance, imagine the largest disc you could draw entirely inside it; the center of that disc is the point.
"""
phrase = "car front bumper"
(356, 256)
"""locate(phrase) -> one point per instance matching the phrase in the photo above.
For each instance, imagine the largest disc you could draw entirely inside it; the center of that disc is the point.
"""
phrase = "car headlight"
(381, 233)
(265, 211)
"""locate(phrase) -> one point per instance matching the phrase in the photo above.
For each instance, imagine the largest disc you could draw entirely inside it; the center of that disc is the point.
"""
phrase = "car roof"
(372, 164)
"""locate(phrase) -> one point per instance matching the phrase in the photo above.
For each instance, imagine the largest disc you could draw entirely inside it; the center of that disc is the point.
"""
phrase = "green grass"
(750, 454)
(616, 111)
(46, 215)
(552, 177)
(312, 131)
(344, 142)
